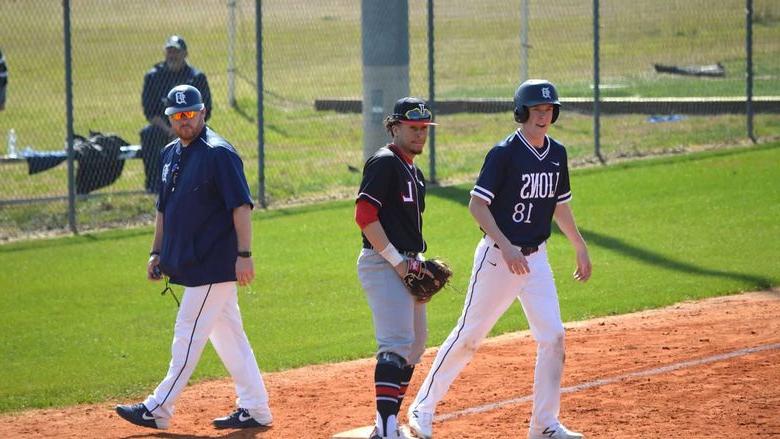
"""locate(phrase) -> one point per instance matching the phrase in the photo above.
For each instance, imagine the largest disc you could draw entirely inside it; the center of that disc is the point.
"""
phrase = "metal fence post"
(260, 116)
(69, 117)
(384, 38)
(596, 91)
(231, 55)
(524, 45)
(749, 75)
(431, 92)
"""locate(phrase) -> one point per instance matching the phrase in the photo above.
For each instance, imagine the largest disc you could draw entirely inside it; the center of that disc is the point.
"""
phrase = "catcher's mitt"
(425, 278)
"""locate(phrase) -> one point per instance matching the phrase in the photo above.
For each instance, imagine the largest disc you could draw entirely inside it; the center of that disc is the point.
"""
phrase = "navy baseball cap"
(183, 98)
(176, 42)
(413, 111)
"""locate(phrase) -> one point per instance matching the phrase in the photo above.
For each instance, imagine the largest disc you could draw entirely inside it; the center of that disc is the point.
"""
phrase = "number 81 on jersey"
(522, 213)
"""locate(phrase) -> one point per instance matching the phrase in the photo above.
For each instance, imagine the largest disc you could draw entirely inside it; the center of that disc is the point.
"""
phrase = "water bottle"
(12, 143)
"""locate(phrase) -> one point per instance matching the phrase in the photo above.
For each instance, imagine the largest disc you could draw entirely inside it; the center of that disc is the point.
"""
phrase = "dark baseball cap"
(183, 98)
(176, 42)
(413, 110)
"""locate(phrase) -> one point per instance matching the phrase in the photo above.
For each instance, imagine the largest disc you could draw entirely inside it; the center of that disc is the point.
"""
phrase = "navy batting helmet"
(535, 92)
(183, 98)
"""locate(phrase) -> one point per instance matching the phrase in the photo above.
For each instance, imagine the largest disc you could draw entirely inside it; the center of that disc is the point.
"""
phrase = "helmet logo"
(181, 98)
(546, 92)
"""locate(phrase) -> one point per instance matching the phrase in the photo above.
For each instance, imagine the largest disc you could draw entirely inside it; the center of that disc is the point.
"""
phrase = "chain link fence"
(672, 78)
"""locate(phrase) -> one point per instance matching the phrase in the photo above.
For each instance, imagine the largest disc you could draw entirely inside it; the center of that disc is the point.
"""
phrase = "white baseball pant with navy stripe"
(210, 312)
(492, 290)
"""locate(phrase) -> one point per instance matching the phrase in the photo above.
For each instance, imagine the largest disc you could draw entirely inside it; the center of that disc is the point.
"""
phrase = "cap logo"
(546, 93)
(181, 98)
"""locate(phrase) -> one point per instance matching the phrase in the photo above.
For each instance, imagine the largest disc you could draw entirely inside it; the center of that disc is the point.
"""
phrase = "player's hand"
(402, 268)
(153, 268)
(584, 267)
(245, 271)
(515, 260)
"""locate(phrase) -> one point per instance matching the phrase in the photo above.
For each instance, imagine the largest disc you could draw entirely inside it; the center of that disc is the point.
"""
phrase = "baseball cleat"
(391, 435)
(420, 424)
(555, 432)
(138, 414)
(241, 419)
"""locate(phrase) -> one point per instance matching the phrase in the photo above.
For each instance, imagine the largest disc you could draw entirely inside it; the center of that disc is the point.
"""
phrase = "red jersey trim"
(400, 153)
(365, 213)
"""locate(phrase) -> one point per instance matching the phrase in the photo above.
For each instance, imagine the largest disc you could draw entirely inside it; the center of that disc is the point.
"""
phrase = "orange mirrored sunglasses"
(184, 115)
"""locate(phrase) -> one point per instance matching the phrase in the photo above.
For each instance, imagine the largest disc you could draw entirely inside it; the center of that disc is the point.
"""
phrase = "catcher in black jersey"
(388, 210)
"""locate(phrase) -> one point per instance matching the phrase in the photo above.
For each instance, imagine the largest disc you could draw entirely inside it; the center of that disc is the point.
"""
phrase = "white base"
(356, 433)
(363, 432)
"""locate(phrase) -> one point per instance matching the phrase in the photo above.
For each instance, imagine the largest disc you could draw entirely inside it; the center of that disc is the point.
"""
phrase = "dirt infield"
(697, 369)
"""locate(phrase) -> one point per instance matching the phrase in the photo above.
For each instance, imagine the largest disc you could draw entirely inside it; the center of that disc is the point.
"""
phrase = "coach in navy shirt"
(203, 241)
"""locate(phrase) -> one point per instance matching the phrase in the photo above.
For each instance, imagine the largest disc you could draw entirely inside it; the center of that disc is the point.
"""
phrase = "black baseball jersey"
(397, 189)
(523, 185)
(201, 185)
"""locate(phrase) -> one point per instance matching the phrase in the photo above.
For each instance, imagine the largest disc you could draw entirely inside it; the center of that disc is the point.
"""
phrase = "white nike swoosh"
(147, 418)
(243, 419)
(556, 163)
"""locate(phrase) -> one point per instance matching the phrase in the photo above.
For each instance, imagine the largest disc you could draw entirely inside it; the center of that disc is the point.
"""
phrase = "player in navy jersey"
(522, 187)
(203, 241)
(388, 210)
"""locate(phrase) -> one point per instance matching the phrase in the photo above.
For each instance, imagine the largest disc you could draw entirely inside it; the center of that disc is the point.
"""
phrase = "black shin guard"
(387, 381)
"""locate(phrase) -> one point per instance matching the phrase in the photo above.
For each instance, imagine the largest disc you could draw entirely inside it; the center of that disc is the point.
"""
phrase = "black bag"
(98, 160)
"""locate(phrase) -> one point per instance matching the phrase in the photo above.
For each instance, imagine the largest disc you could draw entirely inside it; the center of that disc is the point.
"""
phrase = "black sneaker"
(239, 419)
(139, 415)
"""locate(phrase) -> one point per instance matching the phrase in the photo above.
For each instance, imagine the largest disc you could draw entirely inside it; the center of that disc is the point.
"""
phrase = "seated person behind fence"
(157, 82)
(3, 80)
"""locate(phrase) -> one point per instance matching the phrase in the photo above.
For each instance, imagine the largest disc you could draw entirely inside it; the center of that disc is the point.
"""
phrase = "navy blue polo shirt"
(397, 189)
(523, 185)
(201, 185)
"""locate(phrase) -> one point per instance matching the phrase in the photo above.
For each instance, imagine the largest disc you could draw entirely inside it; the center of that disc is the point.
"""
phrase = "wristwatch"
(246, 254)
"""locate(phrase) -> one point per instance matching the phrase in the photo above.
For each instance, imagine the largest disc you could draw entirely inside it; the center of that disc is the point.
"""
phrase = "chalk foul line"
(612, 380)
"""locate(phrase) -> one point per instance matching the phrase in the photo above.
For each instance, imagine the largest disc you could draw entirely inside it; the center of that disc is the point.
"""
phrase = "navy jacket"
(201, 185)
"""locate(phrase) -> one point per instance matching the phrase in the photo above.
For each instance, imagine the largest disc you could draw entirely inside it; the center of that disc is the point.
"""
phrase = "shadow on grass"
(461, 195)
(457, 194)
(243, 113)
(665, 262)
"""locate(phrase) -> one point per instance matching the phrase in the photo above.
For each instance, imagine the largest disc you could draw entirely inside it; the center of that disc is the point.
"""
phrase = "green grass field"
(81, 323)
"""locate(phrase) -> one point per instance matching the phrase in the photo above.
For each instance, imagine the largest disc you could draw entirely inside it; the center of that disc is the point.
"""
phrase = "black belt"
(412, 255)
(526, 251)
